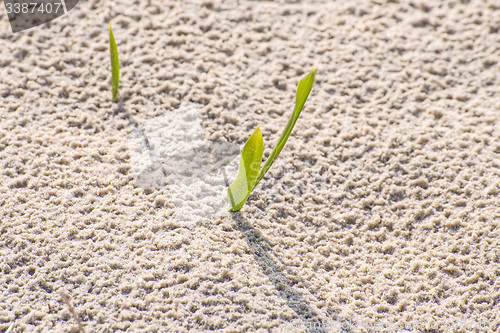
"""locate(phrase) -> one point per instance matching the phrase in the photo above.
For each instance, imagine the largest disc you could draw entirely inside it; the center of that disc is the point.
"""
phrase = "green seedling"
(115, 65)
(249, 171)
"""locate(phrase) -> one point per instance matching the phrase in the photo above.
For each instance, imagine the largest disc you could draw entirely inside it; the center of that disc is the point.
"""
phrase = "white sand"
(381, 214)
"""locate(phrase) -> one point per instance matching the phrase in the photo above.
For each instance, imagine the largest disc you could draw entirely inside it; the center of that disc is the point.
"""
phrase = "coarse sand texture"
(381, 214)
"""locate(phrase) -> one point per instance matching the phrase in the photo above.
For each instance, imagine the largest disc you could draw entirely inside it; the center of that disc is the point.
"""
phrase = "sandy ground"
(382, 213)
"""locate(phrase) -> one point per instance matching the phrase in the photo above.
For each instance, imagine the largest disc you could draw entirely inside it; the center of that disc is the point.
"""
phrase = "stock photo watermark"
(26, 14)
(178, 157)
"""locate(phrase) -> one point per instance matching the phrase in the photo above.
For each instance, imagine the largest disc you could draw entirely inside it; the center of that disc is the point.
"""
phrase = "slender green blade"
(303, 90)
(115, 65)
(250, 160)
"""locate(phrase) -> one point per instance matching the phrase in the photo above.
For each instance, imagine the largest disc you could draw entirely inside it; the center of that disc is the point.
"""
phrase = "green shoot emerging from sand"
(249, 171)
(115, 65)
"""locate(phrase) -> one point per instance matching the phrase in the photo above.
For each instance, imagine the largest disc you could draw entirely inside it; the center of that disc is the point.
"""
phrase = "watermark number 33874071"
(26, 14)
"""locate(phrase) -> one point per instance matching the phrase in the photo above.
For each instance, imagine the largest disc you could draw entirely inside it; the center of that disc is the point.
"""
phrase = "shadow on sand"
(284, 280)
(152, 153)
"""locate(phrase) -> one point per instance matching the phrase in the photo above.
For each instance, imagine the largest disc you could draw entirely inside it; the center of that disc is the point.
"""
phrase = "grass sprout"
(115, 65)
(249, 171)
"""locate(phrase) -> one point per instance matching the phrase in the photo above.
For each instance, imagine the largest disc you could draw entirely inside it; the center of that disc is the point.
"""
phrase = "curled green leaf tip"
(115, 65)
(250, 160)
